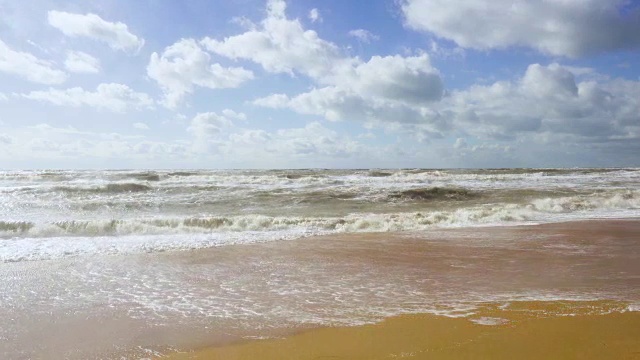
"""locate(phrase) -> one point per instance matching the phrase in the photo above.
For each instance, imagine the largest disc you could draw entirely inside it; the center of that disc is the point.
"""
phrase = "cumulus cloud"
(565, 28)
(548, 102)
(404, 94)
(205, 127)
(114, 34)
(314, 15)
(207, 124)
(382, 88)
(111, 96)
(80, 62)
(365, 36)
(548, 107)
(280, 45)
(184, 65)
(29, 67)
(401, 79)
(390, 88)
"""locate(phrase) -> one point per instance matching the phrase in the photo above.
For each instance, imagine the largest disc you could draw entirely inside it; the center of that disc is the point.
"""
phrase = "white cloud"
(314, 15)
(291, 146)
(548, 107)
(184, 65)
(140, 126)
(250, 137)
(232, 115)
(566, 28)
(365, 36)
(545, 81)
(547, 102)
(205, 127)
(3, 97)
(80, 62)
(312, 140)
(113, 97)
(395, 78)
(29, 67)
(74, 148)
(280, 45)
(460, 143)
(273, 101)
(443, 51)
(209, 123)
(391, 89)
(116, 35)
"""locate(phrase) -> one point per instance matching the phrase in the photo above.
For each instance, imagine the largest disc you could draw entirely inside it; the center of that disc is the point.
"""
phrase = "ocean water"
(56, 214)
(106, 264)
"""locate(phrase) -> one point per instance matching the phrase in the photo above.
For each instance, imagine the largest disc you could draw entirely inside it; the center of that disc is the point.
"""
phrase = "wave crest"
(109, 188)
(434, 193)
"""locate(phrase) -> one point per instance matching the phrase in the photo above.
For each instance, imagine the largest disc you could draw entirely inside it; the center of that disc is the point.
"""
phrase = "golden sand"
(533, 330)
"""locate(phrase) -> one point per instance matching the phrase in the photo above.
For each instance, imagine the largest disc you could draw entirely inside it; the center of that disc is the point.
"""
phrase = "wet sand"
(537, 330)
(579, 258)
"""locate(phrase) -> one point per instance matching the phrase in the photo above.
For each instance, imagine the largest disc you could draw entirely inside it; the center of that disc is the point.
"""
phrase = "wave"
(378, 173)
(145, 176)
(109, 188)
(546, 209)
(434, 193)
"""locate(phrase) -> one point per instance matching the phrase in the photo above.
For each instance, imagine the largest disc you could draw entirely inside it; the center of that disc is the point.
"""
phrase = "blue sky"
(359, 84)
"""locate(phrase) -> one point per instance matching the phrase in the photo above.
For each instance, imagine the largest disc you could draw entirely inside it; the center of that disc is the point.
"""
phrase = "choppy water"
(53, 214)
(102, 250)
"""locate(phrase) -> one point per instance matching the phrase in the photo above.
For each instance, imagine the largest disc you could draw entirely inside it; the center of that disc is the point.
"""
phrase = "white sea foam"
(30, 249)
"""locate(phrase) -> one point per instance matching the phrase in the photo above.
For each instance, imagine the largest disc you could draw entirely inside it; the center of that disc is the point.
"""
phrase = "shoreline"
(305, 295)
(589, 329)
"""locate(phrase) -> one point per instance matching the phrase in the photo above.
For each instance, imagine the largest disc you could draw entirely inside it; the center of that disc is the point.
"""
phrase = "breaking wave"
(109, 188)
(536, 210)
(434, 193)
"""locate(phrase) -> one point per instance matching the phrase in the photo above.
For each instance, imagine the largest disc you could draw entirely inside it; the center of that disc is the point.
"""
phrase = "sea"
(133, 256)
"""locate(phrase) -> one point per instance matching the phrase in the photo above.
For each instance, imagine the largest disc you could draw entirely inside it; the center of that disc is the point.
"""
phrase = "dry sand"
(537, 330)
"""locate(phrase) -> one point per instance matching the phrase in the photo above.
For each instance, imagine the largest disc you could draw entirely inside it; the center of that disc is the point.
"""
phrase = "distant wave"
(109, 188)
(434, 193)
(377, 173)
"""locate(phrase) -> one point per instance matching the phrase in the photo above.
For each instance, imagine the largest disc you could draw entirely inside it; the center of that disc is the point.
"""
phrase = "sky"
(319, 84)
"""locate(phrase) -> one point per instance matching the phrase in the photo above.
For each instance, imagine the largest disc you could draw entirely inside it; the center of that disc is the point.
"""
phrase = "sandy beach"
(566, 290)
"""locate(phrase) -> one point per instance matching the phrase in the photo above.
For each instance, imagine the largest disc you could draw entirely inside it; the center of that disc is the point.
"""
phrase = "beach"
(492, 264)
(565, 290)
(604, 329)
